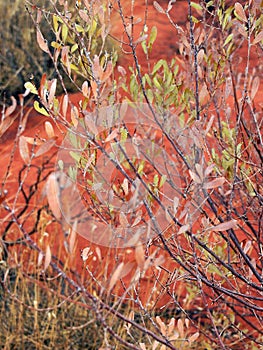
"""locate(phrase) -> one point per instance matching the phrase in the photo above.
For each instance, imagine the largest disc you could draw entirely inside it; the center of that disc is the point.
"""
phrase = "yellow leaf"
(40, 110)
(31, 87)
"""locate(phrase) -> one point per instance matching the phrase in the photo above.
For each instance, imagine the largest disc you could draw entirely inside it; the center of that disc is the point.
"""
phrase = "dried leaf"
(11, 108)
(98, 252)
(46, 146)
(214, 183)
(209, 169)
(6, 123)
(137, 220)
(72, 237)
(49, 130)
(193, 337)
(161, 324)
(85, 253)
(48, 258)
(139, 255)
(195, 177)
(255, 86)
(247, 246)
(74, 114)
(23, 149)
(127, 269)
(52, 191)
(108, 72)
(96, 68)
(232, 224)
(65, 106)
(170, 327)
(175, 204)
(40, 259)
(90, 124)
(125, 186)
(52, 91)
(258, 38)
(85, 89)
(116, 275)
(112, 135)
(239, 10)
(141, 38)
(187, 322)
(180, 327)
(158, 7)
(42, 42)
(133, 241)
(123, 220)
(183, 229)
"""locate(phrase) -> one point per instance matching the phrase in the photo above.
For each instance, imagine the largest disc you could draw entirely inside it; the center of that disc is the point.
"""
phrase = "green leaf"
(152, 37)
(196, 6)
(64, 32)
(157, 66)
(228, 39)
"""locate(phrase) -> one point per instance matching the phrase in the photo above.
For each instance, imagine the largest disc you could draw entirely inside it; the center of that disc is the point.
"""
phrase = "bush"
(157, 166)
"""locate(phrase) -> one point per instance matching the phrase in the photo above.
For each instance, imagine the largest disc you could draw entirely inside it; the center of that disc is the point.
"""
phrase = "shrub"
(158, 165)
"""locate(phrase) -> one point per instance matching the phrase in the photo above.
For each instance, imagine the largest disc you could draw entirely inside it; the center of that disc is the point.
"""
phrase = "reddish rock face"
(102, 260)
